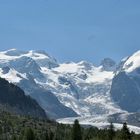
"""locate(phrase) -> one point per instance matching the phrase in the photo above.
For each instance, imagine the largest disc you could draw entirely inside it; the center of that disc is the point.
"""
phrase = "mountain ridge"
(81, 87)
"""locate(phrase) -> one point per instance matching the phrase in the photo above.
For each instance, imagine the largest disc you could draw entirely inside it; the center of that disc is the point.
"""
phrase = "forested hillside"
(13, 99)
(14, 127)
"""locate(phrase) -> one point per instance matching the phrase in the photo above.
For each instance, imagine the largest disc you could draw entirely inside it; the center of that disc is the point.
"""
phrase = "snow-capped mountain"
(125, 89)
(80, 86)
(75, 89)
(23, 69)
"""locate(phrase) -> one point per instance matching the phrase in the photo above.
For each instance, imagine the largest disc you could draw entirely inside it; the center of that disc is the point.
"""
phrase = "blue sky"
(72, 30)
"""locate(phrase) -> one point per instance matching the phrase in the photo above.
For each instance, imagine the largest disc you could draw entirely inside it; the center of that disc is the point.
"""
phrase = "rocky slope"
(125, 89)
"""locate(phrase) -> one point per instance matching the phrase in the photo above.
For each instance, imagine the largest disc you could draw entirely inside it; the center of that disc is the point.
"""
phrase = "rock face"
(13, 99)
(5, 70)
(108, 64)
(125, 92)
(125, 89)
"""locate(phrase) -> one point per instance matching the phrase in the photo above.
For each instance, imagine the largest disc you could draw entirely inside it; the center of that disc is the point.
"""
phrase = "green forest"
(15, 127)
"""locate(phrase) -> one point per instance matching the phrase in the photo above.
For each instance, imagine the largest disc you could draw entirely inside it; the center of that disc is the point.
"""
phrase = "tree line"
(13, 127)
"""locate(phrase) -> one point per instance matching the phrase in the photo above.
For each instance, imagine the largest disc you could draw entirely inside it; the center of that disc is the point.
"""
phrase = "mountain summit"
(108, 64)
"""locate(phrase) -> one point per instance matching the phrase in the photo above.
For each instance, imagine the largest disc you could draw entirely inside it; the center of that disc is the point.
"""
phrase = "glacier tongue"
(91, 121)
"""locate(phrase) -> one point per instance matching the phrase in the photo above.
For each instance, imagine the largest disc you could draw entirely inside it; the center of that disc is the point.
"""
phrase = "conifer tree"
(51, 136)
(125, 133)
(76, 131)
(14, 137)
(29, 134)
(46, 137)
(111, 132)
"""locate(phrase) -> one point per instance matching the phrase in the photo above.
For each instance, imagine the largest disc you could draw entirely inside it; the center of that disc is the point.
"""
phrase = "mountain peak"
(108, 64)
(86, 65)
(132, 63)
(13, 49)
(41, 57)
(14, 52)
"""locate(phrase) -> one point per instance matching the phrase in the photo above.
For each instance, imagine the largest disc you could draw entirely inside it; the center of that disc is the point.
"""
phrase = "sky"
(72, 30)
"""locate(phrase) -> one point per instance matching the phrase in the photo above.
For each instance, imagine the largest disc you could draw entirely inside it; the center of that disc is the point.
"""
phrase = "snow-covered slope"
(11, 75)
(41, 57)
(84, 88)
(132, 63)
